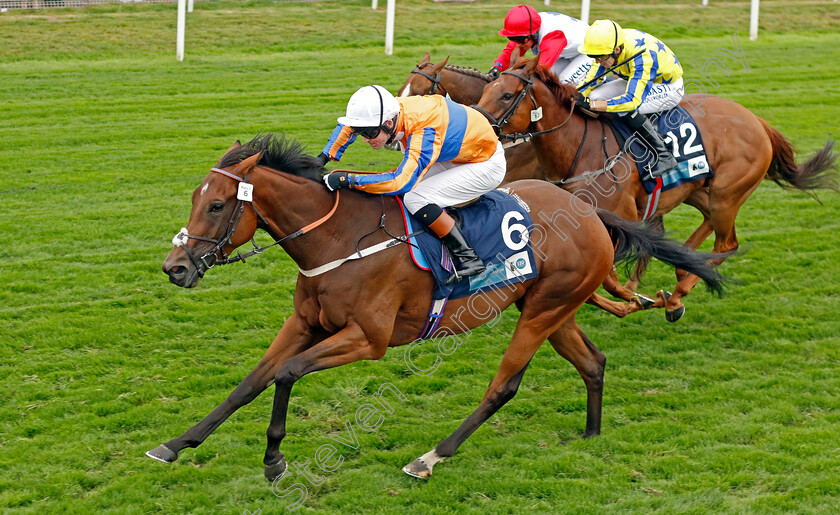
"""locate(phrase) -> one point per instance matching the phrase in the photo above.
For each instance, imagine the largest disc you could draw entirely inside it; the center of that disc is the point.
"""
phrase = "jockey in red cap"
(554, 37)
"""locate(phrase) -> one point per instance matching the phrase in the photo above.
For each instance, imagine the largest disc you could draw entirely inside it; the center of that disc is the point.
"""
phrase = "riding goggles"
(519, 40)
(367, 132)
(600, 58)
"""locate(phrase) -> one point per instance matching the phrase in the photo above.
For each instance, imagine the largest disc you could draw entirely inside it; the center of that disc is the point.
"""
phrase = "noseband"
(204, 263)
(536, 113)
(435, 80)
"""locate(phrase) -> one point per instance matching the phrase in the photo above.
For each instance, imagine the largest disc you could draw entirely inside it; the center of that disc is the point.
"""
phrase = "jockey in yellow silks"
(649, 82)
(451, 156)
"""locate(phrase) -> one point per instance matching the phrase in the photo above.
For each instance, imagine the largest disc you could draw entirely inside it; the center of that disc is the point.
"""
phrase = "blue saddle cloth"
(677, 125)
(494, 226)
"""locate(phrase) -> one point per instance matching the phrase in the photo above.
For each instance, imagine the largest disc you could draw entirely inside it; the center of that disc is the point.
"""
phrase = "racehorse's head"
(219, 221)
(503, 99)
(424, 79)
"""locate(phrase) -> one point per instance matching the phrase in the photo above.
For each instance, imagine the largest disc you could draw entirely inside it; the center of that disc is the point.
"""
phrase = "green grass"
(104, 136)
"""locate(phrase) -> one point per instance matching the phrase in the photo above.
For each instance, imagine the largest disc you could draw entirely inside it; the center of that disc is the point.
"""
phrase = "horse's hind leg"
(571, 343)
(527, 338)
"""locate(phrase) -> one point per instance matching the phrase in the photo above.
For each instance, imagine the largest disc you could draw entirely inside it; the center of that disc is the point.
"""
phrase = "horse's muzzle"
(182, 272)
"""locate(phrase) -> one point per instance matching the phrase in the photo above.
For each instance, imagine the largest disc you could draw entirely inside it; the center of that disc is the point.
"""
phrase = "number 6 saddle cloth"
(497, 226)
(683, 139)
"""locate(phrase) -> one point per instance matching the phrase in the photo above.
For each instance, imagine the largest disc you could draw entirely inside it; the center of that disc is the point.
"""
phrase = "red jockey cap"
(522, 20)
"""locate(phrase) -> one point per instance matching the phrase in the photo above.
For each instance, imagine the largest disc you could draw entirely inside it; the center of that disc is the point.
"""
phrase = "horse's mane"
(279, 153)
(564, 93)
(469, 71)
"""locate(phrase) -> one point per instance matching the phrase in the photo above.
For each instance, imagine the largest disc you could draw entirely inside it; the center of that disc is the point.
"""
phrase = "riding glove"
(337, 180)
(323, 158)
(583, 102)
(494, 72)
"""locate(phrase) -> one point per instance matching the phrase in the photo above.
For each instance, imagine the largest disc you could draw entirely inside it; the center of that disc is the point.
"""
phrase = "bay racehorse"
(742, 150)
(465, 86)
(359, 309)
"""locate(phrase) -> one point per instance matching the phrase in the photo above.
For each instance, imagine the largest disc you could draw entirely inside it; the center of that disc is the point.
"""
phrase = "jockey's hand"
(583, 102)
(494, 72)
(337, 180)
(323, 158)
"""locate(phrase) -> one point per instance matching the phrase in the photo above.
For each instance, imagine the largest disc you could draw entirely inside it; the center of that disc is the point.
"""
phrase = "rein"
(536, 114)
(202, 264)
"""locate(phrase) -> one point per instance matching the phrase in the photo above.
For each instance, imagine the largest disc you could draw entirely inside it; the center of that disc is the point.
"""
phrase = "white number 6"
(508, 229)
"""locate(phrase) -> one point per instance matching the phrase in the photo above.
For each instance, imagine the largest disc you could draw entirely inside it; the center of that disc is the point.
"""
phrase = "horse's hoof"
(162, 453)
(672, 315)
(418, 469)
(276, 470)
(644, 301)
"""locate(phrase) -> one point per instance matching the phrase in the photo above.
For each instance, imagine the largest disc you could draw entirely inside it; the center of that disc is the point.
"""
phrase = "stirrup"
(459, 275)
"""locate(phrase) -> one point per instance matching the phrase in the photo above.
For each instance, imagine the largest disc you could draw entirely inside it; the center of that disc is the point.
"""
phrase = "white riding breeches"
(661, 97)
(572, 71)
(447, 184)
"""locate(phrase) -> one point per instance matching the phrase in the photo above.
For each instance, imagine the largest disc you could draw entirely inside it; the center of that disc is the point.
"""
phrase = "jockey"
(451, 156)
(650, 82)
(554, 37)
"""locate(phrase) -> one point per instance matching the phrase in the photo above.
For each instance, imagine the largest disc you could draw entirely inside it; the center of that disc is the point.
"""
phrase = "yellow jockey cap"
(601, 38)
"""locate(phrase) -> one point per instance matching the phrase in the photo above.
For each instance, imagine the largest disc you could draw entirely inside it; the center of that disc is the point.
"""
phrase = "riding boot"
(466, 261)
(664, 161)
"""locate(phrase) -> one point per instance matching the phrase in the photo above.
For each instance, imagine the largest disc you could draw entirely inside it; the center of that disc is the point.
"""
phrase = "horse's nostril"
(177, 271)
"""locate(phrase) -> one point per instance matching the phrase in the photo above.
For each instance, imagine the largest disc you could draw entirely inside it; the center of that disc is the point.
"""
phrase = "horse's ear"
(232, 147)
(426, 59)
(439, 66)
(531, 65)
(247, 165)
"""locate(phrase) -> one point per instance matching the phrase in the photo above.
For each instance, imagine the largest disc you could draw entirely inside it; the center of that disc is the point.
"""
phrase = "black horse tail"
(634, 241)
(815, 173)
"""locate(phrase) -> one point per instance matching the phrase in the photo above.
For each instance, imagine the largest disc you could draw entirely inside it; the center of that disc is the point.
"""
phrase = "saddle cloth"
(682, 136)
(497, 226)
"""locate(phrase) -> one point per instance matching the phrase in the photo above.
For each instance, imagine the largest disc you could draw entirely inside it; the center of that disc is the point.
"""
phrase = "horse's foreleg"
(349, 345)
(292, 338)
(614, 287)
(723, 224)
(694, 241)
(619, 309)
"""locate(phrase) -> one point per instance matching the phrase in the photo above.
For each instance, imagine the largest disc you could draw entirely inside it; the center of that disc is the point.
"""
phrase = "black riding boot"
(438, 222)
(664, 161)
(467, 262)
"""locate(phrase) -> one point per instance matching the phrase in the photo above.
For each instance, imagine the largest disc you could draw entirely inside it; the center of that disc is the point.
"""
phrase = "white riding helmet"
(370, 106)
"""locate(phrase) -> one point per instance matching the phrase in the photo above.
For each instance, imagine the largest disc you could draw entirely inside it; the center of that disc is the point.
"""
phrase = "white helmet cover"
(370, 106)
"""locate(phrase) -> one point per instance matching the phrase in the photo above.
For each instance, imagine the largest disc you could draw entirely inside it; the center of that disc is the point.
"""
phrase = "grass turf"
(733, 409)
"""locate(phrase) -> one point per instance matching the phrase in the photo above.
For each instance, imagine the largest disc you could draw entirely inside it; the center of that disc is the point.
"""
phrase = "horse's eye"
(217, 207)
(507, 96)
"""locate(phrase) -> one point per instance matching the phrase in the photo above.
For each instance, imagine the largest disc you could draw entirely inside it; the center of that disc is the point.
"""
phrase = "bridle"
(536, 113)
(217, 255)
(435, 80)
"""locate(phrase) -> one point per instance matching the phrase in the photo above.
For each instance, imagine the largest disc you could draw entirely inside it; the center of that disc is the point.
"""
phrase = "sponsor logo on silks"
(517, 265)
(697, 165)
